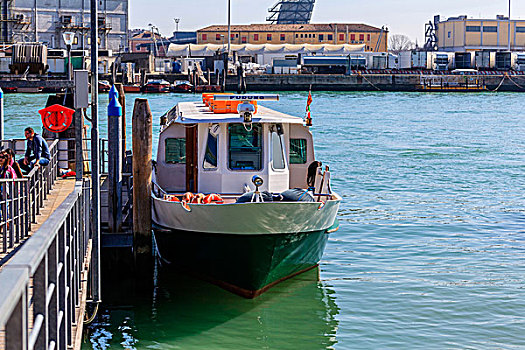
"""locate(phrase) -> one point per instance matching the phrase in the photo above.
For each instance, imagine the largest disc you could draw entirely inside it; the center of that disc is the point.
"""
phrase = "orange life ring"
(57, 118)
(171, 198)
(213, 198)
(198, 198)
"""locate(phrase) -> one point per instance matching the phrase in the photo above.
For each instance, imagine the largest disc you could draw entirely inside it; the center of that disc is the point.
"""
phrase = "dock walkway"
(45, 257)
(56, 196)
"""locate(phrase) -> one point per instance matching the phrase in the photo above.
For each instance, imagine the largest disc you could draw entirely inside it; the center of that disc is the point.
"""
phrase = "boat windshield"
(245, 146)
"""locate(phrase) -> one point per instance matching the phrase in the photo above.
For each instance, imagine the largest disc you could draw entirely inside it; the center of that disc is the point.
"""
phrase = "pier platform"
(60, 191)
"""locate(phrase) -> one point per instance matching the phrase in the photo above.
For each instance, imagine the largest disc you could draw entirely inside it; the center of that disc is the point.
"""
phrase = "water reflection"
(180, 312)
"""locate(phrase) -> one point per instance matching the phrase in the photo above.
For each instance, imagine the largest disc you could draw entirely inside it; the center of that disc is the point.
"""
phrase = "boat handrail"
(158, 187)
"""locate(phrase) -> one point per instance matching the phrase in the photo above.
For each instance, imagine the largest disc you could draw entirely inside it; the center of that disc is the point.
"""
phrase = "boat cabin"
(204, 151)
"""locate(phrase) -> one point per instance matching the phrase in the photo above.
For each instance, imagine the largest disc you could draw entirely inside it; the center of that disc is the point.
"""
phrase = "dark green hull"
(247, 265)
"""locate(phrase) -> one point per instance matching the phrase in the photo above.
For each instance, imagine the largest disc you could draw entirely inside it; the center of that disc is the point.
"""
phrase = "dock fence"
(22, 199)
(43, 285)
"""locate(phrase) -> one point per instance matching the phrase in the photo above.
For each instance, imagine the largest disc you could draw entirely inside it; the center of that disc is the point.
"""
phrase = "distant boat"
(132, 88)
(29, 89)
(104, 86)
(157, 86)
(238, 197)
(181, 86)
(208, 88)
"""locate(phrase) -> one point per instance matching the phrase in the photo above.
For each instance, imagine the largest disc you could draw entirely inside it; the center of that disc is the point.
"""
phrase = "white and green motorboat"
(238, 197)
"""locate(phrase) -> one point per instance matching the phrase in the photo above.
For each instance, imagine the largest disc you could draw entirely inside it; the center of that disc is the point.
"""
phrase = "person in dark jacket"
(37, 151)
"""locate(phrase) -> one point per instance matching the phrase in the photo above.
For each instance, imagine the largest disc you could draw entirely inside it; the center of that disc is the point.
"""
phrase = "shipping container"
(56, 65)
(328, 64)
(379, 62)
(421, 60)
(464, 60)
(405, 60)
(485, 60)
(503, 61)
(442, 61)
(519, 64)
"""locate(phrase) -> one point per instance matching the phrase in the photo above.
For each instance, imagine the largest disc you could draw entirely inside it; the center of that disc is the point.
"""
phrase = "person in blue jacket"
(37, 151)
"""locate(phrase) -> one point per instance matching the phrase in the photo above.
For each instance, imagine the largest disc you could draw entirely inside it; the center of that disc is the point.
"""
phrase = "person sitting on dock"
(6, 171)
(11, 159)
(37, 151)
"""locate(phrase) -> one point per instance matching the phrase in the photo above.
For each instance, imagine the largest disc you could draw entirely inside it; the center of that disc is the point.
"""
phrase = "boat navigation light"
(257, 181)
(246, 111)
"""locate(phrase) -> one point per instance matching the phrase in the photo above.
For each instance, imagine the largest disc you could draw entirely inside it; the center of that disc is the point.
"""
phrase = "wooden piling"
(142, 126)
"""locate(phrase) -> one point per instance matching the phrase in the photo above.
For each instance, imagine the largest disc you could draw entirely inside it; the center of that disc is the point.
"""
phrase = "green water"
(430, 253)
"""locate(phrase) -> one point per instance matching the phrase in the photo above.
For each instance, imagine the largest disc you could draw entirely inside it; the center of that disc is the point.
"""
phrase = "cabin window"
(277, 152)
(298, 151)
(245, 147)
(175, 151)
(210, 156)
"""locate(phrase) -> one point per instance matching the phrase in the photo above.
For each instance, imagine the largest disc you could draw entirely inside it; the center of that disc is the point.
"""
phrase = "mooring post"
(122, 101)
(142, 126)
(79, 152)
(1, 114)
(115, 162)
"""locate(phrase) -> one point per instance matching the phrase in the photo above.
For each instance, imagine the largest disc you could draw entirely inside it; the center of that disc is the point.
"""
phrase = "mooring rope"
(369, 82)
(90, 319)
(500, 83)
(518, 85)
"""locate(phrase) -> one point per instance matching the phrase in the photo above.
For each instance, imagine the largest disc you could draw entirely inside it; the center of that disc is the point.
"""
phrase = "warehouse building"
(46, 21)
(374, 39)
(467, 34)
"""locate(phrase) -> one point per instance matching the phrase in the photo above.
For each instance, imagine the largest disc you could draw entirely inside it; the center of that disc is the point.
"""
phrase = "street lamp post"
(68, 40)
(229, 27)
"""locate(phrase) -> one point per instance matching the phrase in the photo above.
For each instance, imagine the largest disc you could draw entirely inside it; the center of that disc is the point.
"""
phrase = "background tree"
(400, 42)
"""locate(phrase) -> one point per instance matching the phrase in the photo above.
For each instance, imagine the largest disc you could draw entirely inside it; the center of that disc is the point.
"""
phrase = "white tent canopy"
(193, 50)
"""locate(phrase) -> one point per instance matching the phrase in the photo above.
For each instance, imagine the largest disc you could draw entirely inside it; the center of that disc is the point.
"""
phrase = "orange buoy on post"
(57, 118)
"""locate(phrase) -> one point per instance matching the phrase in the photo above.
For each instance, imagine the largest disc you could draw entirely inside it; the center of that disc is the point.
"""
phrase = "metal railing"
(43, 284)
(67, 153)
(22, 199)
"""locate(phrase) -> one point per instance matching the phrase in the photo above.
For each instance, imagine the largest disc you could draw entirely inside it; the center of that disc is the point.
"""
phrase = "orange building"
(375, 39)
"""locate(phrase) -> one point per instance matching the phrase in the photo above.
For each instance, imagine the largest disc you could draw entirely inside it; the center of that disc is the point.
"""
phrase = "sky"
(400, 16)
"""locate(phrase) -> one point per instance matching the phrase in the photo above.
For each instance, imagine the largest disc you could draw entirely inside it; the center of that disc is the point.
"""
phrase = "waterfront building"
(374, 39)
(144, 41)
(470, 34)
(46, 21)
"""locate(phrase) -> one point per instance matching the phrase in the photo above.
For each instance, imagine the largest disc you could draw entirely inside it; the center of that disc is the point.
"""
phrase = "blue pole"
(1, 114)
(115, 162)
